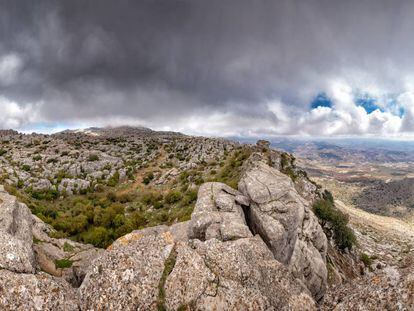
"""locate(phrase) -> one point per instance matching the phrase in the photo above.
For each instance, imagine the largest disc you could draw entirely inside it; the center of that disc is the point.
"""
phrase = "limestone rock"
(41, 292)
(16, 238)
(233, 275)
(127, 275)
(217, 214)
(285, 222)
(202, 275)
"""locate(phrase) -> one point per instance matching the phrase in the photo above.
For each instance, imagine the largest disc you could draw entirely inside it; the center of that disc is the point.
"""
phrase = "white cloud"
(13, 115)
(10, 66)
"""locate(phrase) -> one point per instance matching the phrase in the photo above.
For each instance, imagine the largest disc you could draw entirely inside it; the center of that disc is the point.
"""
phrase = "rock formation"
(285, 222)
(259, 247)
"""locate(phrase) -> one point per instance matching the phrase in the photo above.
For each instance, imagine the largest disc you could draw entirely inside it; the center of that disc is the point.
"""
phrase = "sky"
(220, 68)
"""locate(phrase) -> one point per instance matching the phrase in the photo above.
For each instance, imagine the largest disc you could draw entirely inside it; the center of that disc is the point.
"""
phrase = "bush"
(98, 236)
(113, 181)
(68, 247)
(147, 179)
(26, 167)
(366, 259)
(173, 197)
(37, 158)
(63, 263)
(2, 152)
(93, 157)
(46, 194)
(325, 210)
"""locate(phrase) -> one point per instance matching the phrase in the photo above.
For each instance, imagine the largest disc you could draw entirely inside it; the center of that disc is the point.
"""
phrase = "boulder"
(41, 292)
(217, 214)
(16, 253)
(285, 222)
(233, 275)
(127, 275)
(149, 269)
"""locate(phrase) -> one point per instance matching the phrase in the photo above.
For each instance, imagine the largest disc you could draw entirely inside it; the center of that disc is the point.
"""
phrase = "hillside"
(163, 221)
(95, 188)
(393, 198)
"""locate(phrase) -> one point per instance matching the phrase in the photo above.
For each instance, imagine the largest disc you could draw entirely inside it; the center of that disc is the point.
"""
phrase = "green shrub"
(37, 158)
(173, 197)
(113, 181)
(98, 236)
(26, 167)
(366, 259)
(46, 194)
(93, 157)
(68, 247)
(2, 152)
(63, 263)
(148, 177)
(325, 210)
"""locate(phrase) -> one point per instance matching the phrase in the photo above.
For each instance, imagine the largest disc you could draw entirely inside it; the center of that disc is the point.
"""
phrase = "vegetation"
(63, 263)
(231, 169)
(366, 259)
(37, 157)
(67, 247)
(327, 213)
(93, 157)
(112, 210)
(168, 267)
(148, 177)
(2, 152)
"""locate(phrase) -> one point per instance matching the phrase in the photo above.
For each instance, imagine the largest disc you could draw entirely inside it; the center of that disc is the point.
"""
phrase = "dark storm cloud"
(157, 61)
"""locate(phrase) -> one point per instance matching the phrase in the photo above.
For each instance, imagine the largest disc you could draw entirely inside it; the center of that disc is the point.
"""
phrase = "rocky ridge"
(78, 162)
(259, 247)
(223, 258)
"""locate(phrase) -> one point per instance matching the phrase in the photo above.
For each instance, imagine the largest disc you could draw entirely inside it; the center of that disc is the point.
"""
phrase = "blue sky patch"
(368, 103)
(321, 100)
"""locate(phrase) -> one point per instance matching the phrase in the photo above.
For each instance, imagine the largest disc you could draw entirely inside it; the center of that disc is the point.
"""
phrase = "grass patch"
(63, 263)
(168, 268)
(230, 172)
(366, 259)
(68, 247)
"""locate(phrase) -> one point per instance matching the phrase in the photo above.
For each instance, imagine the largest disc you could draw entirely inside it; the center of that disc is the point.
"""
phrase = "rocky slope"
(387, 279)
(259, 247)
(74, 162)
(256, 248)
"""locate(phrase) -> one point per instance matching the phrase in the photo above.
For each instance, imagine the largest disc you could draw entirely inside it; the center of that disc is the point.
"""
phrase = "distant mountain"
(120, 131)
(348, 150)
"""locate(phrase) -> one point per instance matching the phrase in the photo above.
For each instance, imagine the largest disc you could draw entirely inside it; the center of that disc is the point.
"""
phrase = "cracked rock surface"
(16, 253)
(286, 224)
(256, 248)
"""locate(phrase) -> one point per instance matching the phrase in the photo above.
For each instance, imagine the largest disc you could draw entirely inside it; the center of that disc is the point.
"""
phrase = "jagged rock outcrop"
(19, 291)
(149, 268)
(16, 253)
(128, 274)
(256, 248)
(233, 275)
(29, 277)
(218, 214)
(285, 222)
